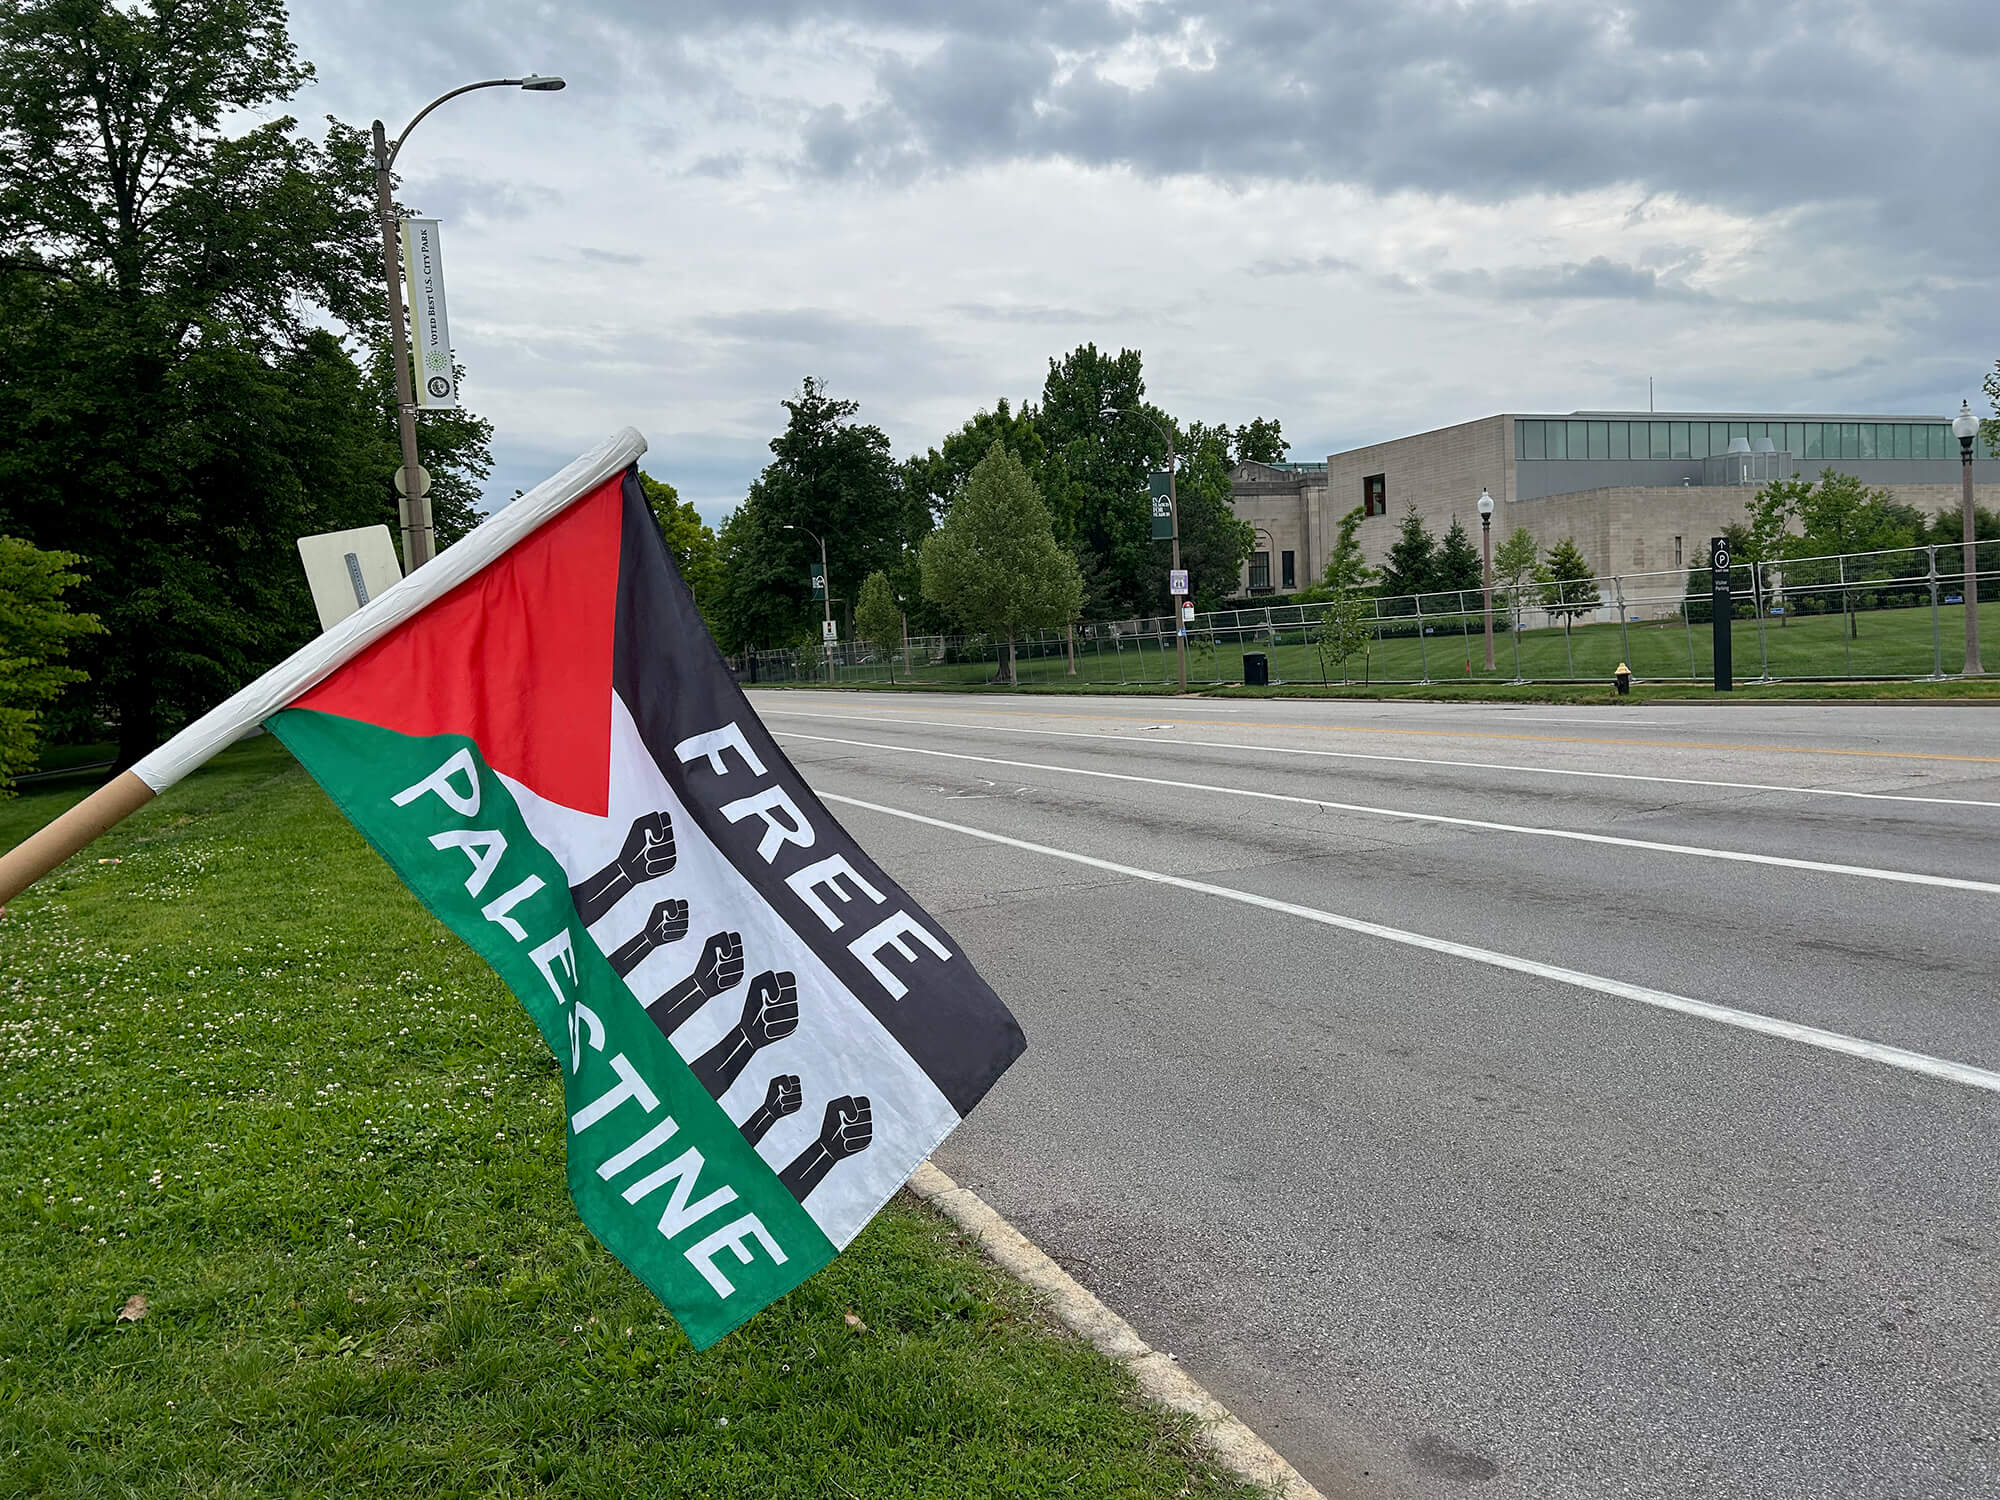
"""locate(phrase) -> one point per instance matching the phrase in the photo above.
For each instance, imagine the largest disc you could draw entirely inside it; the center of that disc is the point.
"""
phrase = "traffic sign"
(829, 631)
(1177, 582)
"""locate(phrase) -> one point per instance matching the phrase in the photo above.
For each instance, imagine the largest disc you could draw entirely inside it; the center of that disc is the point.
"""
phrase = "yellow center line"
(1448, 734)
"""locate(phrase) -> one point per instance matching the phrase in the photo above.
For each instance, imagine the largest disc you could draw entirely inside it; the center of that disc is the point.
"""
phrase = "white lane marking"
(1790, 1031)
(1736, 856)
(1401, 760)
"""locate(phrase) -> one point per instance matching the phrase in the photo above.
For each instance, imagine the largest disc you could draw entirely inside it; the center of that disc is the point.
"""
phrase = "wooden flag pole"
(126, 793)
(47, 847)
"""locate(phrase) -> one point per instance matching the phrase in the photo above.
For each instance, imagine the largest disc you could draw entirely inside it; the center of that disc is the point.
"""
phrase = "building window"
(1556, 435)
(1288, 564)
(1621, 440)
(1660, 440)
(1260, 572)
(1374, 496)
(1677, 552)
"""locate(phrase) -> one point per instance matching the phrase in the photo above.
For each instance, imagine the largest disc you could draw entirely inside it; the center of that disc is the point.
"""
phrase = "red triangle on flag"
(518, 657)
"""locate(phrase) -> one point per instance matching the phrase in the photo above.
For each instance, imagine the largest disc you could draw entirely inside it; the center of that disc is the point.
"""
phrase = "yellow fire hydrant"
(1623, 678)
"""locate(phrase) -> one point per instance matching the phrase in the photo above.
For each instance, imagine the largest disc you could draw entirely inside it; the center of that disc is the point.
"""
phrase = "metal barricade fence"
(1888, 614)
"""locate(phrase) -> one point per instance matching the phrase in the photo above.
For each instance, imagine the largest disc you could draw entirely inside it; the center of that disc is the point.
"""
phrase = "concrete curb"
(1233, 1445)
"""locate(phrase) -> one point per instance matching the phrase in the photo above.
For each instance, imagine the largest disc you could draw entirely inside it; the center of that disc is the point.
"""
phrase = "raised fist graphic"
(771, 1010)
(770, 1014)
(721, 964)
(782, 1097)
(720, 968)
(667, 924)
(648, 853)
(847, 1129)
(649, 848)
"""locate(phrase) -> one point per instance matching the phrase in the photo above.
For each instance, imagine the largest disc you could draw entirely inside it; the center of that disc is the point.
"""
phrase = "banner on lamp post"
(1161, 494)
(430, 332)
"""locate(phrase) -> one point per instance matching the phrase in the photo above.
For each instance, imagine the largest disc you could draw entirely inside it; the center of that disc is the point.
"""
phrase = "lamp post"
(411, 480)
(1966, 427)
(1486, 550)
(1174, 520)
(825, 594)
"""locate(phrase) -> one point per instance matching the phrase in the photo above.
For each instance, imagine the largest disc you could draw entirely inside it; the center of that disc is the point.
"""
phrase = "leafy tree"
(1457, 566)
(697, 553)
(1514, 562)
(1347, 623)
(1094, 475)
(1412, 562)
(878, 618)
(1213, 541)
(1834, 514)
(1346, 569)
(1569, 588)
(175, 264)
(1261, 440)
(932, 480)
(995, 564)
(36, 631)
(829, 476)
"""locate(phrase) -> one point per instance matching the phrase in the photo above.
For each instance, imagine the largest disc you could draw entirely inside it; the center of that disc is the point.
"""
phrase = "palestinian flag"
(760, 1034)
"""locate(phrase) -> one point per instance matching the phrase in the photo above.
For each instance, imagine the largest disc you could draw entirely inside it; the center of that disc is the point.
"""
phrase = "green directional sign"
(817, 578)
(1163, 506)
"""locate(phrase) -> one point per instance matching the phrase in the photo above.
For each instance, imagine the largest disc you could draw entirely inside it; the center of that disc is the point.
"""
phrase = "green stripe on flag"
(658, 1172)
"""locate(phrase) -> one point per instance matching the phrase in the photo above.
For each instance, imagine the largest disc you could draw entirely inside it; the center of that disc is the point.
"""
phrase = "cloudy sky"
(1363, 217)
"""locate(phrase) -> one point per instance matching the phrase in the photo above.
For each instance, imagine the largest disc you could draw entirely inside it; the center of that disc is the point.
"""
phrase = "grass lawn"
(1887, 643)
(244, 1075)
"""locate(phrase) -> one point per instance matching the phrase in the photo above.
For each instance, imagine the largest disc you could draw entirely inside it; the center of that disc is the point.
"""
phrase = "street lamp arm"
(404, 134)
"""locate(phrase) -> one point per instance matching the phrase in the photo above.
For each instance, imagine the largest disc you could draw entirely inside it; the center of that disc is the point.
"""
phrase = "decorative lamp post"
(418, 532)
(825, 594)
(1966, 427)
(1486, 548)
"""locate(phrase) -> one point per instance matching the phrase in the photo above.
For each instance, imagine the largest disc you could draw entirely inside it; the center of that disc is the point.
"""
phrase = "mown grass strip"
(243, 1074)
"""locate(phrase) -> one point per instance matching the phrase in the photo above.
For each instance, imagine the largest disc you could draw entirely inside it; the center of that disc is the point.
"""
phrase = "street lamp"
(825, 594)
(415, 485)
(1966, 427)
(1486, 548)
(1174, 519)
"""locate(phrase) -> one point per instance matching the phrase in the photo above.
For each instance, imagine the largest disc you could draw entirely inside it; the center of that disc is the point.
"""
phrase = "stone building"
(1640, 492)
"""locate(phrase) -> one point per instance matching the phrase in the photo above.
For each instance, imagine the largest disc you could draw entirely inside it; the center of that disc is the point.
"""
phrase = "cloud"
(1364, 217)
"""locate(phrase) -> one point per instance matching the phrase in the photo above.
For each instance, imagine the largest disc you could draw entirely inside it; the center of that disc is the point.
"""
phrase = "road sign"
(1720, 607)
(403, 481)
(1187, 611)
(345, 569)
(1163, 506)
(1177, 582)
(829, 632)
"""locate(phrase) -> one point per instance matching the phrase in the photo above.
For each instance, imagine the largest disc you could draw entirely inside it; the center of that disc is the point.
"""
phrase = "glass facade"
(1540, 439)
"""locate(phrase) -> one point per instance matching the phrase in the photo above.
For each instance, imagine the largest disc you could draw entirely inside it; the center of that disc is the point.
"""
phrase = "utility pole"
(412, 483)
(826, 598)
(1173, 520)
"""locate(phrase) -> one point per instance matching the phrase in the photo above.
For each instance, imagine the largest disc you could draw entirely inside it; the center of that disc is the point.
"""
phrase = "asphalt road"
(1434, 1219)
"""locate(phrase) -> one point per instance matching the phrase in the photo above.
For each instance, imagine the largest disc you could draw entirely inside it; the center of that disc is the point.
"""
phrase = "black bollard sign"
(1720, 609)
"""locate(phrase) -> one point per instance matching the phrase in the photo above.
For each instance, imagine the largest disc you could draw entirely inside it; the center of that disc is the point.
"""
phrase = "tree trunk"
(138, 723)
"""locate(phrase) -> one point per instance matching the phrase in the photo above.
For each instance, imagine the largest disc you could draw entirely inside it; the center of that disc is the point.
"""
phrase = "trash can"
(1256, 669)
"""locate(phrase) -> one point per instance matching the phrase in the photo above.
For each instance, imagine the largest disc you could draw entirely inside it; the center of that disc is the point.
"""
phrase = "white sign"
(1177, 582)
(829, 631)
(430, 332)
(1187, 611)
(345, 569)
